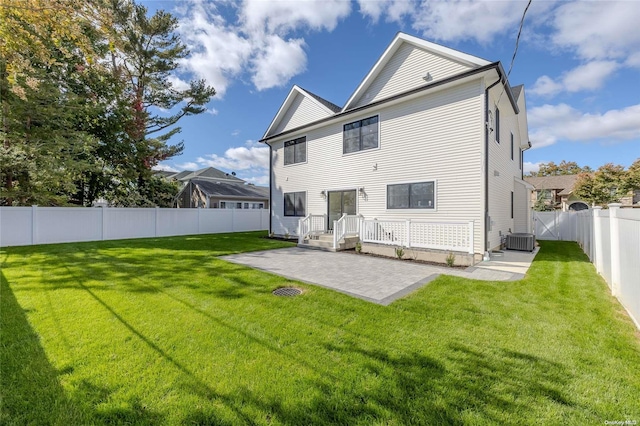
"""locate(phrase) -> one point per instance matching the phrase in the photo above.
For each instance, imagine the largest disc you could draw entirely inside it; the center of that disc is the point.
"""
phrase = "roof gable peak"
(401, 39)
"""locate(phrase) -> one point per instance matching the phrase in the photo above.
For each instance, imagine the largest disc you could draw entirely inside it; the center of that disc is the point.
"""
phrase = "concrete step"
(325, 242)
(317, 245)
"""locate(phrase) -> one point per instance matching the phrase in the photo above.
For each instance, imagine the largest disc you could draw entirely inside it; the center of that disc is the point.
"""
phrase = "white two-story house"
(425, 154)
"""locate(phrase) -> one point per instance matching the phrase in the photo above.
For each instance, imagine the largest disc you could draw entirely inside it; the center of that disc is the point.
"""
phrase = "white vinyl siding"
(405, 71)
(302, 111)
(503, 171)
(439, 135)
(521, 208)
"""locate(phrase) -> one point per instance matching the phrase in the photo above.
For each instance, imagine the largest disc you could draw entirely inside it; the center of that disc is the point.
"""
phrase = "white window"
(418, 195)
(360, 135)
(294, 203)
(295, 151)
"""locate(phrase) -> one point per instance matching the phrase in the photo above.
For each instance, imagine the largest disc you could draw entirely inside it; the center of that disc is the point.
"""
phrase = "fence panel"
(177, 222)
(21, 226)
(16, 226)
(120, 223)
(629, 263)
(67, 224)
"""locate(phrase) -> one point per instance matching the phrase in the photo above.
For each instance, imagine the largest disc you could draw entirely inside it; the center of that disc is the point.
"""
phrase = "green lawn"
(161, 331)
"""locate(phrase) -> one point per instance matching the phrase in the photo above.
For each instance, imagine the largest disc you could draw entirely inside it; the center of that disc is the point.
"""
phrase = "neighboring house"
(556, 192)
(431, 135)
(215, 189)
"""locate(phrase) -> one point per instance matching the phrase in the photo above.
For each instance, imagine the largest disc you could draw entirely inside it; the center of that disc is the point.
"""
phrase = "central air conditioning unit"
(523, 242)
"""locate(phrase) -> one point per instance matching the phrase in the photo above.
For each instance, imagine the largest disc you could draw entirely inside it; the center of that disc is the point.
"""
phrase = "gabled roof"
(327, 107)
(228, 189)
(399, 40)
(517, 90)
(333, 107)
(563, 183)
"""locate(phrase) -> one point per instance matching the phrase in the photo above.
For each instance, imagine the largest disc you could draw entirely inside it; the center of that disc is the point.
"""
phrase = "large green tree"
(564, 168)
(606, 185)
(143, 53)
(79, 81)
(41, 147)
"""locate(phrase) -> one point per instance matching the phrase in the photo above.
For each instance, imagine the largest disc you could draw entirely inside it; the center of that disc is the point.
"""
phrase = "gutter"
(494, 65)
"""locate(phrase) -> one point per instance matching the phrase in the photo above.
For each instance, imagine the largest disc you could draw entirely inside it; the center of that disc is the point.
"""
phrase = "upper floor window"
(360, 135)
(295, 151)
(411, 196)
(294, 203)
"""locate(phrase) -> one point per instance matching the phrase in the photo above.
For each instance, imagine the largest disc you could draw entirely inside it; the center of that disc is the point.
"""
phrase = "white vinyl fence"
(21, 226)
(611, 239)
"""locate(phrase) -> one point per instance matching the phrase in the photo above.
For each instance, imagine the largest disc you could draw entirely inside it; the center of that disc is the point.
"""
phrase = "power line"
(515, 50)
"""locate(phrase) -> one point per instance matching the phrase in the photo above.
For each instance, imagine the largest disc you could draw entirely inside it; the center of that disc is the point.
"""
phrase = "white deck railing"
(311, 224)
(346, 225)
(453, 236)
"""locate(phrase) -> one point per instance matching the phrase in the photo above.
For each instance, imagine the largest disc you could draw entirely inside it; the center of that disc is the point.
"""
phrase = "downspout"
(486, 165)
(270, 183)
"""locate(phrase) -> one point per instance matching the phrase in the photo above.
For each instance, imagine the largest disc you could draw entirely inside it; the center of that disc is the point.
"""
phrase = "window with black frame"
(419, 195)
(294, 203)
(360, 135)
(295, 151)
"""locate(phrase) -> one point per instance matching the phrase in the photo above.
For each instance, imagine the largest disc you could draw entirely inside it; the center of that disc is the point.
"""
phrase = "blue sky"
(579, 62)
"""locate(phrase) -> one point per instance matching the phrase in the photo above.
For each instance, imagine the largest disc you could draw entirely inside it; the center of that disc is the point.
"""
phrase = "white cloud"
(211, 111)
(238, 158)
(279, 17)
(529, 167)
(166, 168)
(235, 132)
(188, 166)
(256, 41)
(589, 76)
(598, 29)
(467, 19)
(546, 86)
(218, 52)
(258, 180)
(395, 10)
(277, 61)
(551, 123)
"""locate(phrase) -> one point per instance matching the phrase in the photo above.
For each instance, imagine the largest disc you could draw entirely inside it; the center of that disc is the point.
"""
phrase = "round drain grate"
(287, 291)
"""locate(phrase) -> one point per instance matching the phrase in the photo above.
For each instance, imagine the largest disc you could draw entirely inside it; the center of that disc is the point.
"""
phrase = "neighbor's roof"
(564, 183)
(228, 189)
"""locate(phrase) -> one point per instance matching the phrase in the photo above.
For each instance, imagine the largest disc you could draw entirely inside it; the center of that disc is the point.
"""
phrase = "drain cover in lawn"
(287, 291)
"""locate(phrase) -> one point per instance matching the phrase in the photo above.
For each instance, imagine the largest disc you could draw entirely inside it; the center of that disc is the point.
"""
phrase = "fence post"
(597, 237)
(199, 220)
(103, 222)
(156, 219)
(615, 248)
(471, 244)
(34, 225)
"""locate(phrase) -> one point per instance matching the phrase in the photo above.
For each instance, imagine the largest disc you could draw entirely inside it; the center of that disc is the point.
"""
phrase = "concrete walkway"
(371, 278)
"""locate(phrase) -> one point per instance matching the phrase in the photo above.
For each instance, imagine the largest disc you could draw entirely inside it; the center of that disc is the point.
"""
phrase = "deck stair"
(325, 242)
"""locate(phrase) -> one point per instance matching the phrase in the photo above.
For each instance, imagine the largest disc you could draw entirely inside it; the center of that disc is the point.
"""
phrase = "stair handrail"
(303, 228)
(339, 230)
